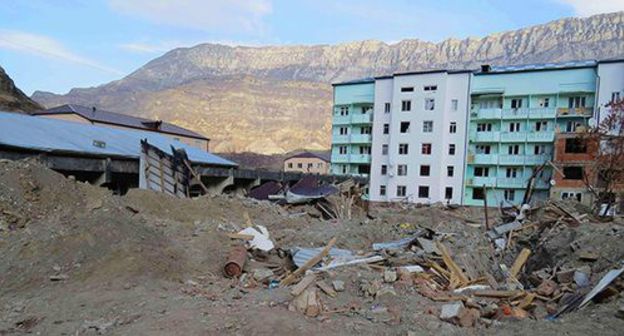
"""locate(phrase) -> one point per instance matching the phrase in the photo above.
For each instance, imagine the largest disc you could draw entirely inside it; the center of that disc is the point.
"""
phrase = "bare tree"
(605, 178)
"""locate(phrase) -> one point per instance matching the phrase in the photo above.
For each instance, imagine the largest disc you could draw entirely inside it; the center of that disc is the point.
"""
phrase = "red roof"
(107, 117)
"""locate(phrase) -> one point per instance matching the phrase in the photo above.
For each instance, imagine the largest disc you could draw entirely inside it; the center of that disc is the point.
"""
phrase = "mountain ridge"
(286, 67)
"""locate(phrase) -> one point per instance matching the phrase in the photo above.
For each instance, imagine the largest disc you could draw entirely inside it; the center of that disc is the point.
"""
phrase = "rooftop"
(539, 67)
(67, 137)
(323, 157)
(102, 116)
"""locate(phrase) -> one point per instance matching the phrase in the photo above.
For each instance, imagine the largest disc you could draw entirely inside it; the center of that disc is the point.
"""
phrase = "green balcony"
(341, 139)
(537, 159)
(542, 113)
(486, 114)
(511, 160)
(515, 113)
(541, 136)
(360, 158)
(485, 136)
(572, 112)
(485, 159)
(479, 181)
(513, 137)
(361, 138)
(340, 158)
(508, 182)
(361, 118)
(341, 120)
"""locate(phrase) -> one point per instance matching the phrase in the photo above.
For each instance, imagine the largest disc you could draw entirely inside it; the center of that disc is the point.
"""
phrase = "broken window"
(423, 191)
(482, 171)
(573, 173)
(366, 130)
(575, 145)
(576, 102)
(405, 126)
(427, 126)
(483, 149)
(426, 149)
(365, 150)
(478, 194)
(429, 104)
(425, 170)
(484, 127)
(448, 193)
(402, 170)
(403, 149)
(516, 103)
(401, 191)
(510, 195)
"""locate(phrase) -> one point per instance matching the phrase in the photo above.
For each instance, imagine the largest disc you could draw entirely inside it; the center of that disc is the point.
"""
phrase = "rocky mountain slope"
(13, 99)
(274, 99)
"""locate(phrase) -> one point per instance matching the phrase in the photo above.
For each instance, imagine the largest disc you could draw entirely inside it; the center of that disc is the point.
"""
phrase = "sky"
(56, 45)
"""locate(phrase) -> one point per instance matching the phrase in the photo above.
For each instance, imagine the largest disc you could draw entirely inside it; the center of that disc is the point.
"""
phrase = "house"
(307, 162)
(91, 115)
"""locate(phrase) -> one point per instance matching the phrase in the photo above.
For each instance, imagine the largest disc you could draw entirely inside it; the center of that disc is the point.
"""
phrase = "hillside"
(13, 99)
(277, 98)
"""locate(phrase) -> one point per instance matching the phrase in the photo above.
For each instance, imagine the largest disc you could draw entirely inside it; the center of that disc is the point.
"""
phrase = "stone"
(565, 276)
(451, 311)
(468, 317)
(260, 274)
(385, 291)
(581, 278)
(339, 285)
(620, 312)
(390, 276)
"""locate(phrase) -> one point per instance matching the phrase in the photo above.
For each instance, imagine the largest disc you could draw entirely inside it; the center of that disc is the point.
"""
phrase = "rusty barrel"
(235, 262)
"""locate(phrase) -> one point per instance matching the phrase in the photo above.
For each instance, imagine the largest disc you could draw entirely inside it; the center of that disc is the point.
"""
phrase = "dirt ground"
(77, 260)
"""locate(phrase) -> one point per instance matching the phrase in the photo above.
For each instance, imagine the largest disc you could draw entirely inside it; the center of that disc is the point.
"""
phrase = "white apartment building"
(610, 85)
(419, 137)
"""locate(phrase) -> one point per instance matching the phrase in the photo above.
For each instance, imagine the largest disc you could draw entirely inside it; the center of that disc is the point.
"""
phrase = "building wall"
(611, 79)
(449, 87)
(306, 165)
(358, 100)
(492, 96)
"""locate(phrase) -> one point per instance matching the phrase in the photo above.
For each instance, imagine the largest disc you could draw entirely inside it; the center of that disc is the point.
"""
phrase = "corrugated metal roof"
(53, 135)
(108, 117)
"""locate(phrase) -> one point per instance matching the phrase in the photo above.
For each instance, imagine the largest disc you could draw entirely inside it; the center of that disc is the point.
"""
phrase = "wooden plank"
(497, 293)
(240, 236)
(456, 272)
(309, 264)
(520, 261)
(303, 284)
(325, 287)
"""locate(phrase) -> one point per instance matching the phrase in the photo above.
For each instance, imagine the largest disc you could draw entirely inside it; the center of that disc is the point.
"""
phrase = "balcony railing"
(486, 136)
(542, 113)
(575, 112)
(537, 159)
(361, 138)
(511, 182)
(487, 113)
(513, 136)
(341, 119)
(541, 136)
(353, 118)
(486, 159)
(511, 159)
(350, 158)
(481, 181)
(515, 113)
(340, 139)
(340, 158)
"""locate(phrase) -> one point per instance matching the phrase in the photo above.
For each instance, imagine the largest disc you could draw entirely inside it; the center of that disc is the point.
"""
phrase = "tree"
(605, 178)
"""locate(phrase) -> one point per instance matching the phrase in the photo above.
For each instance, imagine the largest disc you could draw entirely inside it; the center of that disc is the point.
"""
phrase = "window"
(514, 127)
(541, 126)
(430, 87)
(451, 149)
(448, 193)
(342, 149)
(401, 191)
(423, 191)
(543, 102)
(382, 190)
(577, 195)
(482, 171)
(478, 194)
(384, 169)
(425, 170)
(615, 97)
(575, 145)
(300, 165)
(344, 110)
(573, 173)
(572, 125)
(426, 149)
(366, 130)
(516, 103)
(453, 127)
(365, 150)
(406, 105)
(310, 165)
(483, 149)
(491, 103)
(429, 104)
(576, 101)
(386, 128)
(387, 108)
(344, 131)
(401, 170)
(403, 149)
(427, 126)
(407, 89)
(454, 104)
(450, 171)
(290, 165)
(513, 149)
(319, 165)
(511, 172)
(510, 195)
(344, 169)
(384, 149)
(539, 149)
(405, 125)
(484, 127)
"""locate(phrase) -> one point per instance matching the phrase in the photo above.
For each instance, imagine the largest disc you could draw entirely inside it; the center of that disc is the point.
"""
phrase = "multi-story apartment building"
(515, 113)
(419, 133)
(352, 123)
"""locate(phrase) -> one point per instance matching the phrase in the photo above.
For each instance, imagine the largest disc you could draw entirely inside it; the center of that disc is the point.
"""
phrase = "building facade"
(352, 122)
(419, 134)
(515, 114)
(307, 162)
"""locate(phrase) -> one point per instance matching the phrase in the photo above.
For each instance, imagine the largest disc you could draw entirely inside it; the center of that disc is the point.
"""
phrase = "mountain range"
(13, 99)
(275, 99)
